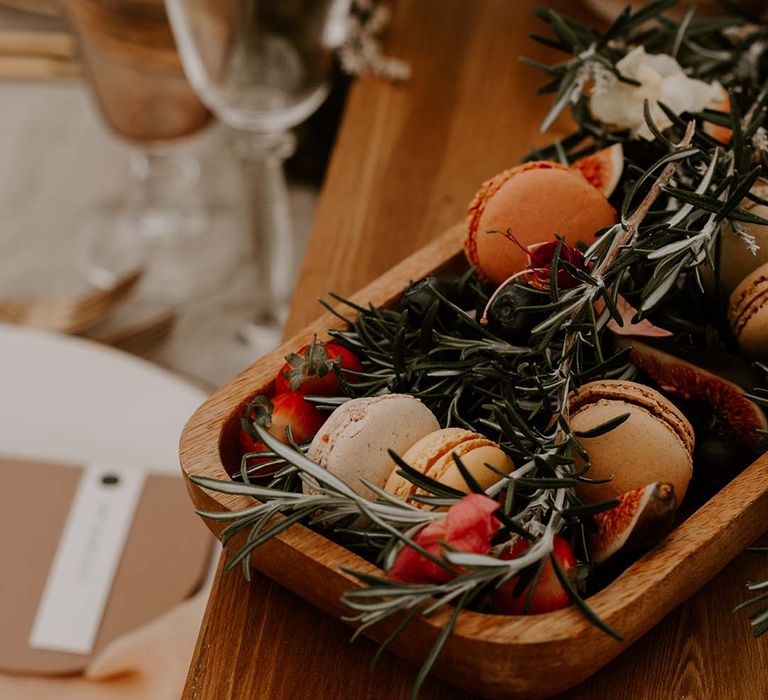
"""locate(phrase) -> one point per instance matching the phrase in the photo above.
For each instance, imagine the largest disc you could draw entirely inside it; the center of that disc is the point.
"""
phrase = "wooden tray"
(495, 656)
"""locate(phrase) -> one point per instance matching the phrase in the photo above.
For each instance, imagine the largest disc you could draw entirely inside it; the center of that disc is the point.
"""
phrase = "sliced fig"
(641, 520)
(721, 384)
(603, 169)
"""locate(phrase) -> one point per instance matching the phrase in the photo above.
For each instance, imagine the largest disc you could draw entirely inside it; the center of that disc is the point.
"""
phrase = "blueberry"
(510, 316)
(419, 296)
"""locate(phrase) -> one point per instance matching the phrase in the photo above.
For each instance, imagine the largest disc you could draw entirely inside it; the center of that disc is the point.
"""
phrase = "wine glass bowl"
(262, 67)
(131, 60)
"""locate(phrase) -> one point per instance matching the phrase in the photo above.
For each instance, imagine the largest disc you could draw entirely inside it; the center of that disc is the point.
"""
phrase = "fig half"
(726, 396)
(641, 520)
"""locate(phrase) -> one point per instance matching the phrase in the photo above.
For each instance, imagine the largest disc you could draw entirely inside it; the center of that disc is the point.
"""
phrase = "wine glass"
(262, 67)
(161, 221)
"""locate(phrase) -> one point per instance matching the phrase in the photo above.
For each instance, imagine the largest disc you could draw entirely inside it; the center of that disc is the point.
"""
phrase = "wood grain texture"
(408, 159)
(410, 156)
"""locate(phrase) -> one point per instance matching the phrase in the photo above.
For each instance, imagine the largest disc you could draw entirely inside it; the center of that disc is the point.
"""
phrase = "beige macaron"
(653, 445)
(433, 457)
(353, 442)
(748, 313)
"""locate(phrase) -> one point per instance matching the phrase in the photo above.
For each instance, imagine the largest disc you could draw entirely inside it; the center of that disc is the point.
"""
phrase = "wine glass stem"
(275, 249)
(165, 198)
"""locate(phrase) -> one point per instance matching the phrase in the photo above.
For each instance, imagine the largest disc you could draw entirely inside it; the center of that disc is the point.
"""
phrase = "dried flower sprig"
(361, 53)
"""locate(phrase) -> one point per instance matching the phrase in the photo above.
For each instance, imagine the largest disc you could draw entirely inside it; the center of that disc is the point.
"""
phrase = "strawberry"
(284, 410)
(549, 593)
(310, 370)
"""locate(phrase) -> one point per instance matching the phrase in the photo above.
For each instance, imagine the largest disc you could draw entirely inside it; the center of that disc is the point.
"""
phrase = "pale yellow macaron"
(433, 456)
(654, 444)
(748, 313)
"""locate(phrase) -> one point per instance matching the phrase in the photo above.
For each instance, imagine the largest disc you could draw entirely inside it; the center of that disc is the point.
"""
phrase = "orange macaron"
(533, 203)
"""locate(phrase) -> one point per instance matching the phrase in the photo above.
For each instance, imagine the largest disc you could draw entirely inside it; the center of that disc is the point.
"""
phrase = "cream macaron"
(355, 440)
(748, 313)
(433, 457)
(654, 444)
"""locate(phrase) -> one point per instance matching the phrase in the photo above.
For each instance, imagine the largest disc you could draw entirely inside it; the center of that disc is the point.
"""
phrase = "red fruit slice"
(603, 169)
(689, 380)
(641, 520)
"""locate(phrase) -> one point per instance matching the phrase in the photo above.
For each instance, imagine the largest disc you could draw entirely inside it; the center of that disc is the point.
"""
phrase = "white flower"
(661, 79)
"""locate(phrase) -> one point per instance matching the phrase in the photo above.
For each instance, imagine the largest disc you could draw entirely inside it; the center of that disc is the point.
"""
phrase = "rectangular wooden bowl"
(495, 656)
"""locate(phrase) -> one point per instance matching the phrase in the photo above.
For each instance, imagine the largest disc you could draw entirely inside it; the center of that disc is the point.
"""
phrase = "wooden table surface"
(407, 160)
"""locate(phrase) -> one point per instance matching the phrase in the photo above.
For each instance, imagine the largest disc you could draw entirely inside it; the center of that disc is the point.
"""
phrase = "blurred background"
(160, 166)
(120, 166)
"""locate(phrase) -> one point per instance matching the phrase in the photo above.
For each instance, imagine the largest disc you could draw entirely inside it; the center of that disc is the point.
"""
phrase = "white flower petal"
(610, 106)
(662, 79)
(629, 65)
(663, 64)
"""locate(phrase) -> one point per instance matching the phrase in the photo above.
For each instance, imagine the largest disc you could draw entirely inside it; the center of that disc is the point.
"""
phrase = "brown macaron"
(654, 444)
(433, 457)
(533, 202)
(748, 313)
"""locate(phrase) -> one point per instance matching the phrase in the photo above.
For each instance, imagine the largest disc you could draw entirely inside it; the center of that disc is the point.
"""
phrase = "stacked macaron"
(737, 260)
(654, 443)
(355, 440)
(743, 276)
(527, 205)
(354, 444)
